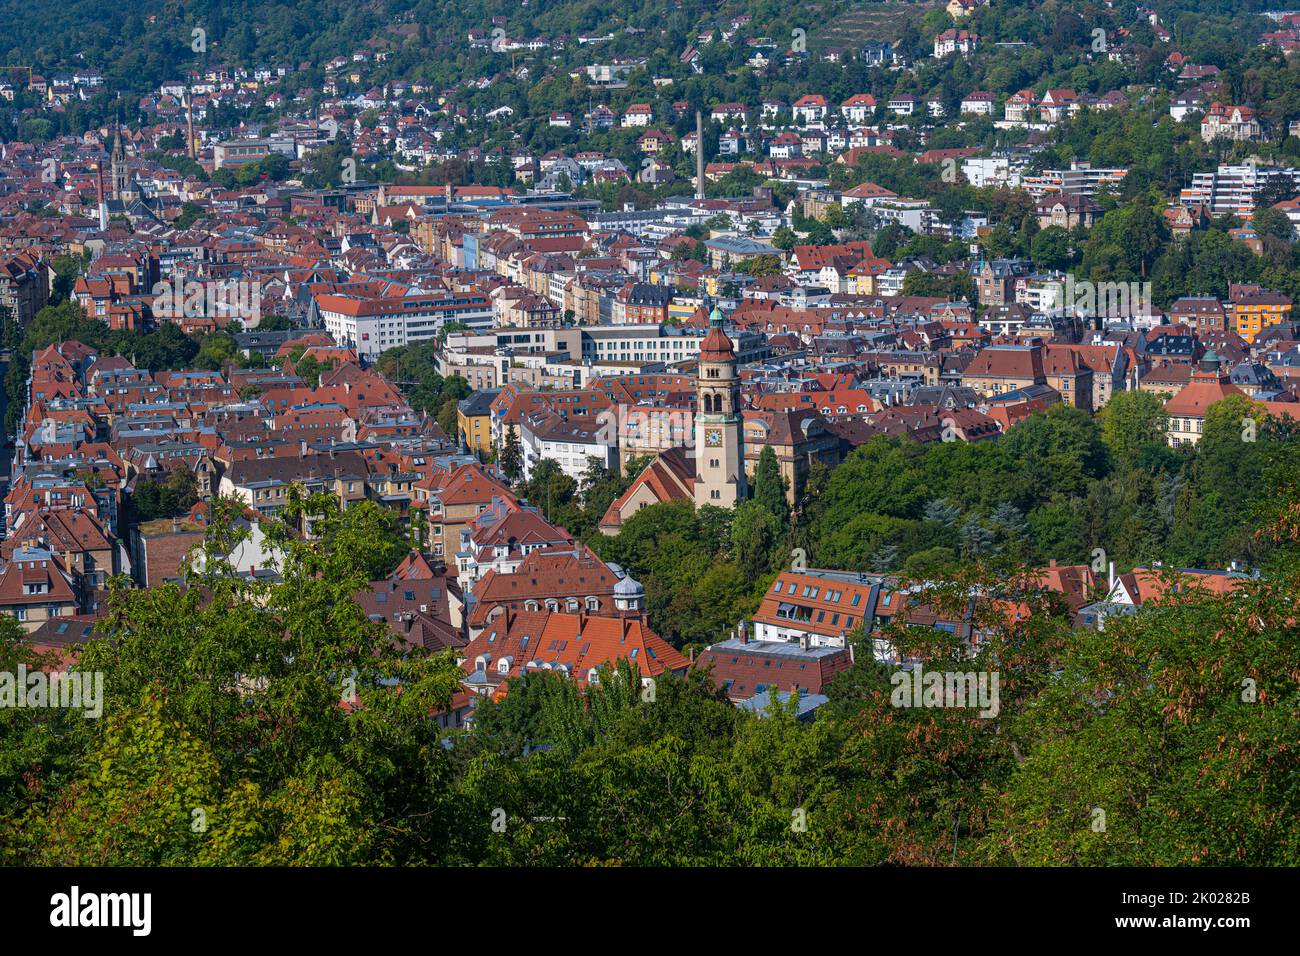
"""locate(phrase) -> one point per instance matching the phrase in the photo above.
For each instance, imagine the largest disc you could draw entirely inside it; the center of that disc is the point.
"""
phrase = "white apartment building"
(1041, 294)
(1230, 190)
(979, 103)
(820, 608)
(373, 325)
(915, 214)
(981, 171)
(643, 345)
(572, 443)
(955, 41)
(600, 343)
(1081, 179)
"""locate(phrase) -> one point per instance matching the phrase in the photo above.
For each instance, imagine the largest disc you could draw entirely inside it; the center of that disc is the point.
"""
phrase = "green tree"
(784, 238)
(755, 537)
(770, 486)
(511, 458)
(1132, 422)
(363, 539)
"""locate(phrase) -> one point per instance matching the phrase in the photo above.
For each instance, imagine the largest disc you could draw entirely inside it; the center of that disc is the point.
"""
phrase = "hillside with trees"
(1176, 727)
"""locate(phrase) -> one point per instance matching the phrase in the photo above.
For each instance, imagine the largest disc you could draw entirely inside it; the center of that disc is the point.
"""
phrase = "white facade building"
(373, 325)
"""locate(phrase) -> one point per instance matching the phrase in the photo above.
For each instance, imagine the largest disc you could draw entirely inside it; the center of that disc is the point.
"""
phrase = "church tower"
(719, 424)
(121, 174)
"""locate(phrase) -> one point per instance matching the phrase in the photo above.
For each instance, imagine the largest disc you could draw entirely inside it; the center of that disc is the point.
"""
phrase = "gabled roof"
(574, 644)
(1197, 396)
(669, 477)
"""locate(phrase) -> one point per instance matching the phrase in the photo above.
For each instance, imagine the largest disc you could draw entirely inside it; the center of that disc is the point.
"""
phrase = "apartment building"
(1230, 190)
(24, 286)
(1004, 368)
(1209, 383)
(817, 608)
(1230, 122)
(35, 587)
(1255, 309)
(474, 421)
(573, 443)
(371, 325)
(1081, 179)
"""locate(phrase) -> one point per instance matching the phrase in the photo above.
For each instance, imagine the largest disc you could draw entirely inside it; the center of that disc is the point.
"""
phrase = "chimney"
(699, 154)
(103, 206)
(189, 122)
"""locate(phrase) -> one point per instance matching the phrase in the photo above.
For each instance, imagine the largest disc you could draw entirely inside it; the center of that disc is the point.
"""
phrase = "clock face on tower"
(713, 437)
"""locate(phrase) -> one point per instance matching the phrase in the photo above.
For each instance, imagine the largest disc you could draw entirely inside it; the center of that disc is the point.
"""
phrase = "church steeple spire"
(120, 173)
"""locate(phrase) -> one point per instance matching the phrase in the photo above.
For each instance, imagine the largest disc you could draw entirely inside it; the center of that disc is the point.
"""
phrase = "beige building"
(35, 587)
(1209, 384)
(999, 369)
(798, 437)
(450, 501)
(1067, 211)
(1166, 380)
(719, 436)
(1065, 370)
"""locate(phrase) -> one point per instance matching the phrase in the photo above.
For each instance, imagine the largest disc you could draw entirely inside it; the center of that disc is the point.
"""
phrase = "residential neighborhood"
(505, 412)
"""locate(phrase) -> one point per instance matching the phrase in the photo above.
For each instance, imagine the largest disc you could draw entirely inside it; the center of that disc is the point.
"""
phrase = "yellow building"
(865, 273)
(1255, 310)
(474, 420)
(680, 311)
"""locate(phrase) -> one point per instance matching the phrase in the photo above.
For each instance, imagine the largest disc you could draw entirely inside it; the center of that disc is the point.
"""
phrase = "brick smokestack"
(103, 206)
(699, 154)
(189, 122)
